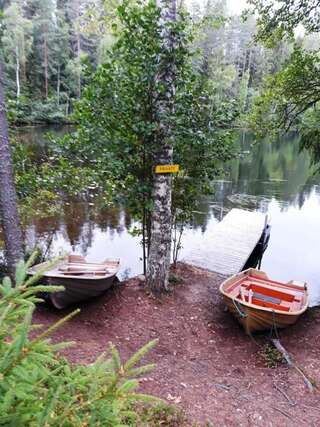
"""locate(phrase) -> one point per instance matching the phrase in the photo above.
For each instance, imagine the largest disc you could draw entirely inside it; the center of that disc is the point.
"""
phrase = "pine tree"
(8, 199)
(43, 15)
(39, 387)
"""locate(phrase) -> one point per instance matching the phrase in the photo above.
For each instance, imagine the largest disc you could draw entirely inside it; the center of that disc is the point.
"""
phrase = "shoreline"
(206, 365)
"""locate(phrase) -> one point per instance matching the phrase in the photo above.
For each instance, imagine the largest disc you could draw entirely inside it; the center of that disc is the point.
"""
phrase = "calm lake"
(274, 178)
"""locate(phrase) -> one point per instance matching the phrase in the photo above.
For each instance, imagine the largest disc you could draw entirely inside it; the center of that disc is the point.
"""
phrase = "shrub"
(38, 387)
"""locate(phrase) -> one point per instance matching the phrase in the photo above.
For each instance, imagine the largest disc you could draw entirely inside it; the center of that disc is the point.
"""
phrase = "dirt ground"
(205, 363)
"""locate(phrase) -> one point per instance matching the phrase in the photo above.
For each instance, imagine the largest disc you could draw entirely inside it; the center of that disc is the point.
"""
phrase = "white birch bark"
(58, 85)
(79, 63)
(46, 77)
(78, 37)
(160, 239)
(17, 72)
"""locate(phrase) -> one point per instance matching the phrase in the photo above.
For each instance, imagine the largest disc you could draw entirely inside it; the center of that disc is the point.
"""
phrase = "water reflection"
(293, 251)
(276, 178)
(37, 136)
(270, 177)
(92, 231)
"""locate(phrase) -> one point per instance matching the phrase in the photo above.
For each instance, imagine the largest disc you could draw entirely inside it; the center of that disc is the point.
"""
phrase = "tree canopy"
(119, 123)
(290, 98)
(280, 18)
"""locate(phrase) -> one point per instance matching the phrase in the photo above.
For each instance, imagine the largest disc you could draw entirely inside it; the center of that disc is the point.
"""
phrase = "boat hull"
(81, 280)
(77, 290)
(255, 318)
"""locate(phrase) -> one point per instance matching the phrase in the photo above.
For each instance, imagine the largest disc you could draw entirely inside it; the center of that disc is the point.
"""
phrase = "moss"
(271, 356)
(175, 280)
(163, 414)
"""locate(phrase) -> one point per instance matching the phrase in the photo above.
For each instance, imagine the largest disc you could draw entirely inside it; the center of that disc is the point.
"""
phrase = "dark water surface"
(274, 178)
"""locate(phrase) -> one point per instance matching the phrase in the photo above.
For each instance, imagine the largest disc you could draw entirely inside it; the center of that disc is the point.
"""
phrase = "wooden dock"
(227, 249)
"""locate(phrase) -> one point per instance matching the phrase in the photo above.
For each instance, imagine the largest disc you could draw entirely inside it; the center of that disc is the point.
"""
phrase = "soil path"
(205, 363)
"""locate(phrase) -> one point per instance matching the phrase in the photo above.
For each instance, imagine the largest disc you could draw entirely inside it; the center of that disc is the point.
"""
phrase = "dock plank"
(229, 246)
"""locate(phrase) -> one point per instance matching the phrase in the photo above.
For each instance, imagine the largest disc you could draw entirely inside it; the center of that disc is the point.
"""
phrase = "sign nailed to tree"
(167, 168)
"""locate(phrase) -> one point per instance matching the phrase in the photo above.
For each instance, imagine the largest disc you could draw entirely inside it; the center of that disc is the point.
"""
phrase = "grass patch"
(175, 280)
(271, 356)
(162, 414)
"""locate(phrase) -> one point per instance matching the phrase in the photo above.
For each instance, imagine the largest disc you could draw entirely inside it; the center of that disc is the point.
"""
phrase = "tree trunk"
(46, 66)
(144, 255)
(23, 61)
(8, 199)
(17, 72)
(79, 63)
(246, 105)
(67, 106)
(160, 244)
(58, 85)
(161, 218)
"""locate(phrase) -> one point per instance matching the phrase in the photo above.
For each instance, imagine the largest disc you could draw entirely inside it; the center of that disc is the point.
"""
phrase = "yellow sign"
(167, 168)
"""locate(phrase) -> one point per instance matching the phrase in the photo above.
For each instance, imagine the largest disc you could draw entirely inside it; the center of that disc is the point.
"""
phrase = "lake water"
(271, 177)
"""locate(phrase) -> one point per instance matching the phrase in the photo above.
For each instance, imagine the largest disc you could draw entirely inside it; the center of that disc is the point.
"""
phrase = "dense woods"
(47, 48)
(50, 50)
(290, 97)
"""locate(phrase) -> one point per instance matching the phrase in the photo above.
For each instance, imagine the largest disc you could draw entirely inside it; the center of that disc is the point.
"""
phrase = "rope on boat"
(241, 313)
(274, 326)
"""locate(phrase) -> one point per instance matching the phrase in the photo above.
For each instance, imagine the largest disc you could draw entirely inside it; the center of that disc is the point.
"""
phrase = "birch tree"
(17, 41)
(161, 219)
(146, 105)
(8, 200)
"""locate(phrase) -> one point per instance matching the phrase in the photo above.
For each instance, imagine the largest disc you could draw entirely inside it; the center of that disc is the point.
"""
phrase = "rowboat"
(81, 279)
(259, 303)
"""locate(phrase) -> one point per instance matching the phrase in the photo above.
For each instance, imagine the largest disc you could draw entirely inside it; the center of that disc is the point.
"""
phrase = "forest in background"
(52, 47)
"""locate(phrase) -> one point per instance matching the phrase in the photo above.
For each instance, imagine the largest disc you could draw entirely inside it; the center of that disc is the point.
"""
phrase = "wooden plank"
(269, 290)
(229, 246)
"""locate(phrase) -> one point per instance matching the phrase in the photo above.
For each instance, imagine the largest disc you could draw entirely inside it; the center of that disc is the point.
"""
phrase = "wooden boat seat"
(283, 306)
(77, 265)
(267, 296)
(283, 290)
(286, 287)
(88, 267)
(77, 260)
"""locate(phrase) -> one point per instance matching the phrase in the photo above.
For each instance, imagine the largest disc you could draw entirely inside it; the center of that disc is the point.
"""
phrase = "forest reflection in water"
(271, 177)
